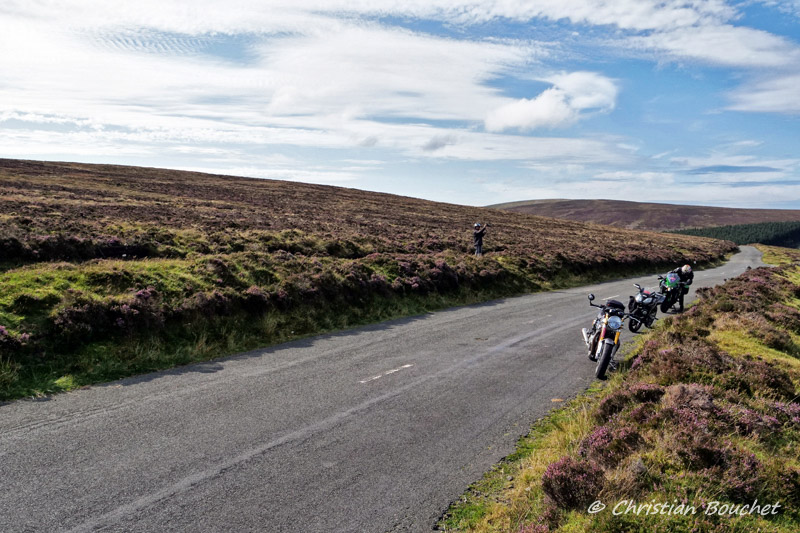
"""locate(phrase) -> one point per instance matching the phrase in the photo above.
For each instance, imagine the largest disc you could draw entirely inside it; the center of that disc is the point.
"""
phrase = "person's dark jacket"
(478, 236)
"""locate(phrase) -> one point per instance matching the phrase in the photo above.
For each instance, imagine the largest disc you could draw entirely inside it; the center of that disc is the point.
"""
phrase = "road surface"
(373, 429)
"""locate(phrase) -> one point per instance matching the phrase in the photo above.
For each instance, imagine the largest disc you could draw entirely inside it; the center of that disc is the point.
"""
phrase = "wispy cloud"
(773, 94)
(731, 169)
(723, 44)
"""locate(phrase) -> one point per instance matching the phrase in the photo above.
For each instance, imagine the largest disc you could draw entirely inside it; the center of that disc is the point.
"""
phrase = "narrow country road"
(370, 430)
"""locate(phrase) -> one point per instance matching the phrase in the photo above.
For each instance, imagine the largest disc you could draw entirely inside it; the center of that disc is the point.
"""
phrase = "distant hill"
(648, 216)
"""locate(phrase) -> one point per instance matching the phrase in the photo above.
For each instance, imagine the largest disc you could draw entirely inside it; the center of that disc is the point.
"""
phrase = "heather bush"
(689, 396)
(534, 528)
(749, 422)
(784, 316)
(82, 319)
(695, 443)
(205, 305)
(547, 520)
(609, 446)
(620, 399)
(782, 483)
(733, 382)
(742, 476)
(768, 379)
(255, 300)
(787, 413)
(572, 483)
(692, 424)
(698, 361)
(9, 343)
(645, 415)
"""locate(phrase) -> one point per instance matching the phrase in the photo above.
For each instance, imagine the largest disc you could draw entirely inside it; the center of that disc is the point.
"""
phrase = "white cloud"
(549, 109)
(724, 45)
(560, 105)
(773, 95)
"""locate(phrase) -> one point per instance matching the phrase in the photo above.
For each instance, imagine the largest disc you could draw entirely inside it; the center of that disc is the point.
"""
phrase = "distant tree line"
(775, 233)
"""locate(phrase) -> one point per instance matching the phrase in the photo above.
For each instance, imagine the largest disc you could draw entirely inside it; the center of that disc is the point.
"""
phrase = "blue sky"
(472, 102)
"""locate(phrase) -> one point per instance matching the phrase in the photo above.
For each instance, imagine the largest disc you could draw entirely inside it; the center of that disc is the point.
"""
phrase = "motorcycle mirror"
(591, 297)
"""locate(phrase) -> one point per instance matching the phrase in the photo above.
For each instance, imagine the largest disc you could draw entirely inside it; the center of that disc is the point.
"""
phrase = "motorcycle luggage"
(616, 304)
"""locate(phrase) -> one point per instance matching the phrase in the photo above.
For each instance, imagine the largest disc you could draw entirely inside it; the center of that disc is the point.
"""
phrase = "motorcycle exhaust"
(585, 334)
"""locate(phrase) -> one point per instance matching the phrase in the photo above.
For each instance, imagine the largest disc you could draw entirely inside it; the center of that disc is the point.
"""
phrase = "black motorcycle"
(643, 307)
(603, 337)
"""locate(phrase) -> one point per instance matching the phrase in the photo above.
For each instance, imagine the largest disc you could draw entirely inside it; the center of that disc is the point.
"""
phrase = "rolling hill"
(108, 270)
(648, 216)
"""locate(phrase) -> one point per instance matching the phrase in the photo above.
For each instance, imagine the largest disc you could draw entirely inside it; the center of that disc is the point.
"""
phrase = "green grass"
(777, 255)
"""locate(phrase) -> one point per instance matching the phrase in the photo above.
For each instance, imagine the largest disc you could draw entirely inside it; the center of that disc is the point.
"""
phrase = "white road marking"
(388, 372)
(615, 296)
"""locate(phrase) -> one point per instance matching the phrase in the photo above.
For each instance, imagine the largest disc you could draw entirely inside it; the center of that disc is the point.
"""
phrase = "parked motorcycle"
(643, 308)
(671, 287)
(603, 337)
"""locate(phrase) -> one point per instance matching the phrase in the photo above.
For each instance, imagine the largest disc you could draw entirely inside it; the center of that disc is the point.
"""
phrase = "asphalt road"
(374, 429)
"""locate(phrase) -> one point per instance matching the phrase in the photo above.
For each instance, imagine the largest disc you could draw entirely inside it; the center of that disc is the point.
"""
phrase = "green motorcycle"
(671, 287)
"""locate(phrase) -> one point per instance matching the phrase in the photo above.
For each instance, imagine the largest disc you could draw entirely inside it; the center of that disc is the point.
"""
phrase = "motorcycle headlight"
(614, 322)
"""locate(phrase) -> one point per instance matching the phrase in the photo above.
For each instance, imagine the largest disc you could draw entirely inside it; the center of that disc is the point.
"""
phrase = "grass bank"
(89, 326)
(702, 424)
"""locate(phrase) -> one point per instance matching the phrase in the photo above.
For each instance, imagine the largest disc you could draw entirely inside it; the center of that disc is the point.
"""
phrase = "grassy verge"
(705, 416)
(107, 319)
(778, 255)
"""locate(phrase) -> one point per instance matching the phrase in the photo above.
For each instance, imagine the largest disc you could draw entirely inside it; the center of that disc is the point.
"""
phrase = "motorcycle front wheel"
(634, 325)
(603, 361)
(666, 304)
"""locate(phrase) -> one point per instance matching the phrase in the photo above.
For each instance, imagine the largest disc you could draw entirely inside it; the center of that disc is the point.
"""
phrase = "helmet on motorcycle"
(686, 269)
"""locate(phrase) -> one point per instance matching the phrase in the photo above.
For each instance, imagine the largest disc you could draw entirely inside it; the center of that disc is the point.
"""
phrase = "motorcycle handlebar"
(629, 315)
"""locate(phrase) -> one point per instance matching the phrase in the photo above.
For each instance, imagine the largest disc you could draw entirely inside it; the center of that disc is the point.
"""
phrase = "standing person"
(477, 236)
(687, 276)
